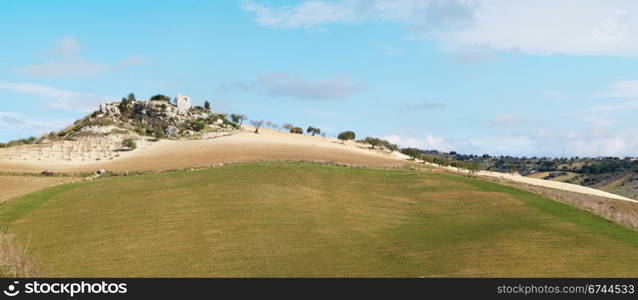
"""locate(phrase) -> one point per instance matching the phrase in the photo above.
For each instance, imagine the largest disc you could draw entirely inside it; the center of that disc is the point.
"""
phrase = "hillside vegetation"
(295, 219)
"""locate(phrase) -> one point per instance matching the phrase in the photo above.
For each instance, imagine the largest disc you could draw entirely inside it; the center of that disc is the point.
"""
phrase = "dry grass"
(285, 219)
(14, 260)
(622, 212)
(13, 186)
(243, 147)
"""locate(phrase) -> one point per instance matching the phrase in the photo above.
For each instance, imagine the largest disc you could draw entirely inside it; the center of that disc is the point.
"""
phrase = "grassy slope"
(285, 219)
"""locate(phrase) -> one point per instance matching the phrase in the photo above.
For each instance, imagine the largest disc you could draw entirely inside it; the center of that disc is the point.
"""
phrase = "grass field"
(293, 219)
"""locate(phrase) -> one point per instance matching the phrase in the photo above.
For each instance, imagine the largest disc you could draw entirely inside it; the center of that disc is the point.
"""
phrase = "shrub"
(296, 130)
(159, 133)
(129, 143)
(196, 125)
(160, 97)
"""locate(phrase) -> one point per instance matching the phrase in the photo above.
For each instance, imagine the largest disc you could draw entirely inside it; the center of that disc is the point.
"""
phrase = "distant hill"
(613, 174)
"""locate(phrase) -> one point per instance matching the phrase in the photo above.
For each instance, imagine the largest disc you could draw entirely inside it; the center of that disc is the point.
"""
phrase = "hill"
(291, 219)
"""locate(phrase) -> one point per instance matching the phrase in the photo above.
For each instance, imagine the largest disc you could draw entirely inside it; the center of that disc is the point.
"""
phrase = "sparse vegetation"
(196, 125)
(238, 118)
(257, 124)
(15, 262)
(129, 143)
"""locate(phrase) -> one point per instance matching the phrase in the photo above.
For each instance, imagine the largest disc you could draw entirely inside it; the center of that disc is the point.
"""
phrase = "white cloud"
(20, 125)
(629, 105)
(506, 120)
(623, 89)
(583, 27)
(68, 67)
(66, 46)
(497, 145)
(308, 14)
(294, 86)
(68, 63)
(56, 98)
(427, 143)
(588, 142)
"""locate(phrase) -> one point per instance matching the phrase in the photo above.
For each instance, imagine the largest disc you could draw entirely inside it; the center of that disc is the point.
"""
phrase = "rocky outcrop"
(158, 118)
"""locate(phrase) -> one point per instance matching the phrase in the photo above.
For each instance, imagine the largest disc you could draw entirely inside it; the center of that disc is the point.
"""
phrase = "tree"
(313, 130)
(160, 97)
(207, 105)
(413, 153)
(257, 125)
(346, 136)
(131, 97)
(474, 168)
(238, 118)
(372, 141)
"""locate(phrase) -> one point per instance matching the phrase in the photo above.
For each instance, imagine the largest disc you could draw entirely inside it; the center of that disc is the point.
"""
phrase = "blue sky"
(477, 76)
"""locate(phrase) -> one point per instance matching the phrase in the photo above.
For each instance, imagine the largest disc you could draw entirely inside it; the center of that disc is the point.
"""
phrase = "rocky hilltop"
(120, 127)
(160, 119)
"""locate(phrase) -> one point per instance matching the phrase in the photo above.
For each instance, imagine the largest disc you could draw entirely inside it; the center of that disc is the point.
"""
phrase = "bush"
(160, 97)
(296, 130)
(159, 133)
(196, 125)
(129, 143)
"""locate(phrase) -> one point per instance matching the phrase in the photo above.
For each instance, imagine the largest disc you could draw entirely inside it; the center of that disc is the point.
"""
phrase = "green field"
(305, 220)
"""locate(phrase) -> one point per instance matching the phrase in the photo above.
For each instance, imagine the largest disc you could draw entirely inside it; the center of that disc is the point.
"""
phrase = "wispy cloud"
(594, 27)
(506, 120)
(67, 63)
(66, 46)
(16, 123)
(294, 86)
(54, 97)
(68, 67)
(428, 142)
